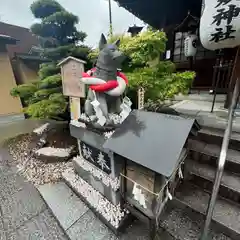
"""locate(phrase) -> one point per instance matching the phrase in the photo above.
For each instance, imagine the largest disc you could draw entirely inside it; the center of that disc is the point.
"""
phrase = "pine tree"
(60, 38)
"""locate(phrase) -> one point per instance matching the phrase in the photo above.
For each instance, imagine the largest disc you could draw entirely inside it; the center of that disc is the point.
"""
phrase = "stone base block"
(112, 215)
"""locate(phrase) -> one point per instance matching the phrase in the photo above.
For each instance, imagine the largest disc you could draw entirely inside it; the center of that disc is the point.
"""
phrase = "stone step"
(75, 218)
(215, 136)
(184, 224)
(226, 214)
(79, 222)
(209, 153)
(204, 176)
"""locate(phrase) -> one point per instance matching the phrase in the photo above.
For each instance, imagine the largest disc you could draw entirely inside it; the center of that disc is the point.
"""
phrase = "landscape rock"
(40, 130)
(51, 154)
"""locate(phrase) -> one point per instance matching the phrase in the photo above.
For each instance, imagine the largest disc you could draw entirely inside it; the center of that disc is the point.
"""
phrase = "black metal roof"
(153, 140)
(162, 13)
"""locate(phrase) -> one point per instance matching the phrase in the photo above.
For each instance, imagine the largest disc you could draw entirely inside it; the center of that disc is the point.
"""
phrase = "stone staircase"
(185, 214)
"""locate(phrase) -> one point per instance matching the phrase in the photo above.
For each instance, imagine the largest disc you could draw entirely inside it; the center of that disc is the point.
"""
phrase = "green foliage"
(44, 8)
(43, 103)
(24, 91)
(144, 68)
(144, 47)
(56, 22)
(57, 30)
(45, 93)
(160, 85)
(48, 69)
(50, 108)
(40, 90)
(67, 50)
(51, 82)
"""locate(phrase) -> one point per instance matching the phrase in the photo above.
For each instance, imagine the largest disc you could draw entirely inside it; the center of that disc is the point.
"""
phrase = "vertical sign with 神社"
(220, 24)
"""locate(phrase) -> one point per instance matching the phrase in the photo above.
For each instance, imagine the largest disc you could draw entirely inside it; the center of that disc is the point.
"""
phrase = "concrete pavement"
(23, 213)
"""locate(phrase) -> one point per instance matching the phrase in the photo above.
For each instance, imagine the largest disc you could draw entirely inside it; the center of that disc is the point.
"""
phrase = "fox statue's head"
(110, 58)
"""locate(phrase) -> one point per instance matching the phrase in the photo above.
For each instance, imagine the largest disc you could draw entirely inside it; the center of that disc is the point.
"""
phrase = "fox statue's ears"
(103, 42)
(117, 42)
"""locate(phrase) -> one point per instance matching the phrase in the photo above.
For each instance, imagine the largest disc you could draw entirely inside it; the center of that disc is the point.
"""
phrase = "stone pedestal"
(98, 177)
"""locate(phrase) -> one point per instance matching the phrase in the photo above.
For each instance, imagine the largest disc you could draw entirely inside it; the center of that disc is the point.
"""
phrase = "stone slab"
(6, 160)
(88, 136)
(41, 227)
(226, 214)
(205, 106)
(201, 97)
(96, 183)
(10, 118)
(137, 230)
(185, 224)
(229, 180)
(63, 202)
(20, 207)
(11, 183)
(89, 227)
(201, 110)
(13, 129)
(2, 231)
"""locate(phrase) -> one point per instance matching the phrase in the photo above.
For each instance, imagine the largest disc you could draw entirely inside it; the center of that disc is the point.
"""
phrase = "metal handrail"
(221, 161)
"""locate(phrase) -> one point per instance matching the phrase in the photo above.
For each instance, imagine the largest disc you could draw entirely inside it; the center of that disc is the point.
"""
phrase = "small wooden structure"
(152, 158)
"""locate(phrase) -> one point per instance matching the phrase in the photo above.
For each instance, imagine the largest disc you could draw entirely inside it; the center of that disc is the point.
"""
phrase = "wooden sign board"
(71, 70)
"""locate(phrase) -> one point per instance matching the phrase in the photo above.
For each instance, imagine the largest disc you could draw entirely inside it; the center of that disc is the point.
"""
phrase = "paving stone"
(11, 183)
(137, 231)
(89, 227)
(21, 206)
(42, 227)
(226, 213)
(6, 159)
(63, 202)
(111, 236)
(2, 231)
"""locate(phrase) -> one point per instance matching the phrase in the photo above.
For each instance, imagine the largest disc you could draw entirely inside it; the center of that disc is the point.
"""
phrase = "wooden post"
(141, 93)
(234, 76)
(71, 71)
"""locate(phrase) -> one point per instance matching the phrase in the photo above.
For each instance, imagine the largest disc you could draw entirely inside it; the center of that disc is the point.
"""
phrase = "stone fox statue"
(106, 70)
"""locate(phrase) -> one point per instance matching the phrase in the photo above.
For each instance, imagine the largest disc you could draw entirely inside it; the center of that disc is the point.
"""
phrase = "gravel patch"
(22, 150)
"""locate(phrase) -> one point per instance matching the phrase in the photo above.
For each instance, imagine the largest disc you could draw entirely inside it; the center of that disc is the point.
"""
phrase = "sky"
(93, 16)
